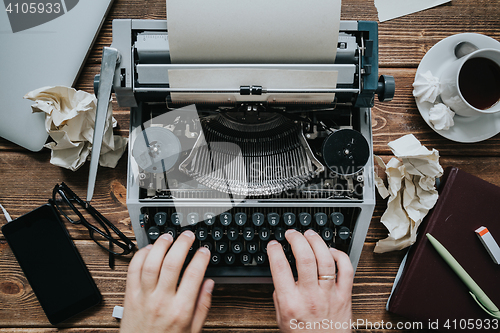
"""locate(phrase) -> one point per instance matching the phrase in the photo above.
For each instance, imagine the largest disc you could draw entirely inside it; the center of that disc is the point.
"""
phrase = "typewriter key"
(321, 219)
(337, 218)
(289, 219)
(240, 219)
(160, 218)
(153, 233)
(215, 258)
(245, 258)
(305, 219)
(273, 219)
(232, 233)
(344, 233)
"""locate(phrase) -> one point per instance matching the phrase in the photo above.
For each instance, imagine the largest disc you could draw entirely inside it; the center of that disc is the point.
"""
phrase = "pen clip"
(495, 314)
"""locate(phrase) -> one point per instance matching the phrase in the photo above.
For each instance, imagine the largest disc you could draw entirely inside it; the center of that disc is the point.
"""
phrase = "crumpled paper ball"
(441, 117)
(426, 87)
(411, 178)
(69, 120)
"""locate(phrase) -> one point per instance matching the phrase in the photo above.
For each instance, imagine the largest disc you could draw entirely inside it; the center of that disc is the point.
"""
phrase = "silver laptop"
(43, 43)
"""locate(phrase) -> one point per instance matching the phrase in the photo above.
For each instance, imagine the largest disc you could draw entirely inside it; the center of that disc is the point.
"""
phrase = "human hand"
(311, 304)
(153, 301)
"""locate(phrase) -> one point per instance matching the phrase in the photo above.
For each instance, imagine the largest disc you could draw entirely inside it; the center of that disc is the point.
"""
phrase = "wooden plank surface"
(27, 179)
(19, 305)
(254, 304)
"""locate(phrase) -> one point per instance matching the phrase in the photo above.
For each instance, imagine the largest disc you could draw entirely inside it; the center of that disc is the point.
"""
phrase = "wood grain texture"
(23, 189)
(252, 308)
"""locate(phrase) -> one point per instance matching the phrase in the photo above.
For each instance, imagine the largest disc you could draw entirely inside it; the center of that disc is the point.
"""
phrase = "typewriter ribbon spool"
(156, 149)
(345, 151)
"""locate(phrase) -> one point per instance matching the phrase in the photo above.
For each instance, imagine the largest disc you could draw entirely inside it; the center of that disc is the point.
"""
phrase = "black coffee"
(479, 82)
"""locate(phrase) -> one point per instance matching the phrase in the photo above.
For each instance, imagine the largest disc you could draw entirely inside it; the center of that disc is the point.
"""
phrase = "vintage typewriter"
(240, 170)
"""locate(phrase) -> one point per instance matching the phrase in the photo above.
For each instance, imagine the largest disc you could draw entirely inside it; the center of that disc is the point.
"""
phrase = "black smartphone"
(52, 264)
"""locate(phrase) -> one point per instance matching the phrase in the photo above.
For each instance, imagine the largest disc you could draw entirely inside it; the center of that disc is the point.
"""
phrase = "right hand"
(310, 300)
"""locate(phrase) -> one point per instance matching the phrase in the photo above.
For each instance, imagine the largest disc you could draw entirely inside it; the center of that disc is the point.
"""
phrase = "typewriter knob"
(386, 88)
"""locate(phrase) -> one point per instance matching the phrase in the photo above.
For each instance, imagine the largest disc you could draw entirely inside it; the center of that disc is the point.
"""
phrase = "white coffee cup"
(457, 83)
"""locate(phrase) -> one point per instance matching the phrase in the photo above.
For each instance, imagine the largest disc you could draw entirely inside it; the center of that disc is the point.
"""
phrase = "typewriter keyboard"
(237, 239)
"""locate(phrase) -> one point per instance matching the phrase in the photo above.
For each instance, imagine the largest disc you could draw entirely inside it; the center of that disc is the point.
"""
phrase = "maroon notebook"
(428, 290)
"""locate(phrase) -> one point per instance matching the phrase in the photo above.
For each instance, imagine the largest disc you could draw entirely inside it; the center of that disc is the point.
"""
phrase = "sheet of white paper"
(389, 9)
(233, 78)
(69, 120)
(257, 31)
(411, 190)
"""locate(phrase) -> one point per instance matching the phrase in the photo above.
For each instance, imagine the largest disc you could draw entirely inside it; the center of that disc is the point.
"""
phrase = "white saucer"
(466, 129)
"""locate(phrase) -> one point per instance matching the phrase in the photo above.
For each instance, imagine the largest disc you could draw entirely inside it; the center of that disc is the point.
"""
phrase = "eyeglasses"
(101, 232)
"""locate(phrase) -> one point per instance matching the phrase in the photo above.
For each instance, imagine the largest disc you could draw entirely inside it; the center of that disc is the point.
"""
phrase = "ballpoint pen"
(476, 292)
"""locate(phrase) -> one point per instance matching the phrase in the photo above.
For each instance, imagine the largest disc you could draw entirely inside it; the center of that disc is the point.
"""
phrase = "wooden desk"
(27, 179)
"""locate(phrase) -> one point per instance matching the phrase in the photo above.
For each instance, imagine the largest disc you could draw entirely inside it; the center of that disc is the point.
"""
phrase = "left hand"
(153, 301)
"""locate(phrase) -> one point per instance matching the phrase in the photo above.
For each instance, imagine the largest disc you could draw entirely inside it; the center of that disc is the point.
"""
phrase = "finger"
(203, 305)
(345, 272)
(192, 279)
(154, 260)
(281, 272)
(277, 309)
(135, 266)
(174, 260)
(307, 269)
(324, 260)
